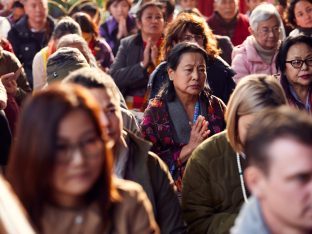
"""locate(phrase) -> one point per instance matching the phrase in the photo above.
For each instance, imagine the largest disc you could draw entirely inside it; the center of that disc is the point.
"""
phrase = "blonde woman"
(213, 186)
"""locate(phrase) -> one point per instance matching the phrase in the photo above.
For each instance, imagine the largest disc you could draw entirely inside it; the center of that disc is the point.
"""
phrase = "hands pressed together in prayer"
(150, 53)
(199, 132)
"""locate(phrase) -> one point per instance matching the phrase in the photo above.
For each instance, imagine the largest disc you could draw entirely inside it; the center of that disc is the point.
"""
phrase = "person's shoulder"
(224, 39)
(21, 25)
(129, 39)
(243, 23)
(128, 190)
(242, 48)
(212, 148)
(219, 66)
(243, 18)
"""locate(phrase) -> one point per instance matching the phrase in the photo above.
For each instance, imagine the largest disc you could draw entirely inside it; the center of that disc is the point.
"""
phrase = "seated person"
(66, 184)
(119, 24)
(133, 160)
(257, 54)
(184, 113)
(213, 186)
(227, 21)
(279, 174)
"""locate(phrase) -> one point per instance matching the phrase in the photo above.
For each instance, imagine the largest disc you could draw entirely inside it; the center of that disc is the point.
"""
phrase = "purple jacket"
(109, 30)
(246, 61)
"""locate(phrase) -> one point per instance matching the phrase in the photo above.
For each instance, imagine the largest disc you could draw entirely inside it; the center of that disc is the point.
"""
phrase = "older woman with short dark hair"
(184, 113)
(294, 62)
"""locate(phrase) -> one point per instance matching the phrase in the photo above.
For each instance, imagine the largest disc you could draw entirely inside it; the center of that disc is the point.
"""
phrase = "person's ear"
(170, 73)
(255, 180)
(251, 31)
(139, 24)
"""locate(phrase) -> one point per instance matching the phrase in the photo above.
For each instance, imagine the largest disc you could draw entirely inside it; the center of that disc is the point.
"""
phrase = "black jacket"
(27, 43)
(5, 139)
(219, 78)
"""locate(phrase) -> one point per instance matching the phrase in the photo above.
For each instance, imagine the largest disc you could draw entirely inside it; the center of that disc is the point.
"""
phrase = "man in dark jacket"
(279, 174)
(31, 33)
(133, 160)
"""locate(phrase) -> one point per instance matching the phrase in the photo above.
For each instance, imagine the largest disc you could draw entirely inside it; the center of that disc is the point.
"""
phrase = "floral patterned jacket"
(158, 127)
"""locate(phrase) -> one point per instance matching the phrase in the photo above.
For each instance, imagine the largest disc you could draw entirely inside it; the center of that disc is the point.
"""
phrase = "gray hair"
(263, 12)
(70, 40)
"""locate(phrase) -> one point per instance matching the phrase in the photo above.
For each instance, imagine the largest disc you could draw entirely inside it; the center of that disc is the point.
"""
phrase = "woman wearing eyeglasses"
(258, 52)
(294, 63)
(61, 169)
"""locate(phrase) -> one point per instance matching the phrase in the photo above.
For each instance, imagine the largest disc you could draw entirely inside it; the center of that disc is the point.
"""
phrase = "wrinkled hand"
(199, 132)
(9, 82)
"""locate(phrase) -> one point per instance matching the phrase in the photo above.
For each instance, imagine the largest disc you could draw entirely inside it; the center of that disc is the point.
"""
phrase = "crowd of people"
(150, 117)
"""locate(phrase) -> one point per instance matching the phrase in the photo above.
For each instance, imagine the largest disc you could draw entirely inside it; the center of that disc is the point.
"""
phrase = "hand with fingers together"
(9, 82)
(199, 132)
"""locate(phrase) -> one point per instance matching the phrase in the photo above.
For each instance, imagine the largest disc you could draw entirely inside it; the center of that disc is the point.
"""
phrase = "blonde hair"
(253, 94)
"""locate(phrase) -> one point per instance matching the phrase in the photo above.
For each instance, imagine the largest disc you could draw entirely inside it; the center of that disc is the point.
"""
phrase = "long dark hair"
(33, 157)
(281, 63)
(174, 58)
(291, 18)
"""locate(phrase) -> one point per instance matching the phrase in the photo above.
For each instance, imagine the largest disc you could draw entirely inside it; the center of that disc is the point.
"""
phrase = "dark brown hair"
(33, 157)
(195, 25)
(146, 5)
(291, 18)
(110, 2)
(86, 23)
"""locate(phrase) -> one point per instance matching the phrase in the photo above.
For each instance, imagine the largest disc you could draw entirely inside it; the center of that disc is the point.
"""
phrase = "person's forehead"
(36, 2)
(287, 157)
(104, 96)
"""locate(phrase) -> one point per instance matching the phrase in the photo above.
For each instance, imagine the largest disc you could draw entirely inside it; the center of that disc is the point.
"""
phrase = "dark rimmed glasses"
(298, 63)
(90, 148)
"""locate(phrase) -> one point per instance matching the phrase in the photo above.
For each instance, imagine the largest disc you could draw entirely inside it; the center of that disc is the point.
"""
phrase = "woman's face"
(303, 14)
(152, 21)
(299, 76)
(226, 8)
(190, 37)
(188, 4)
(268, 33)
(79, 158)
(190, 76)
(119, 9)
(244, 122)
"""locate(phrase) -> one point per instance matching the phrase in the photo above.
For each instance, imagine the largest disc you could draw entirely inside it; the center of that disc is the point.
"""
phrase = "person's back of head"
(279, 153)
(274, 124)
(77, 41)
(64, 61)
(93, 78)
(64, 26)
(252, 95)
